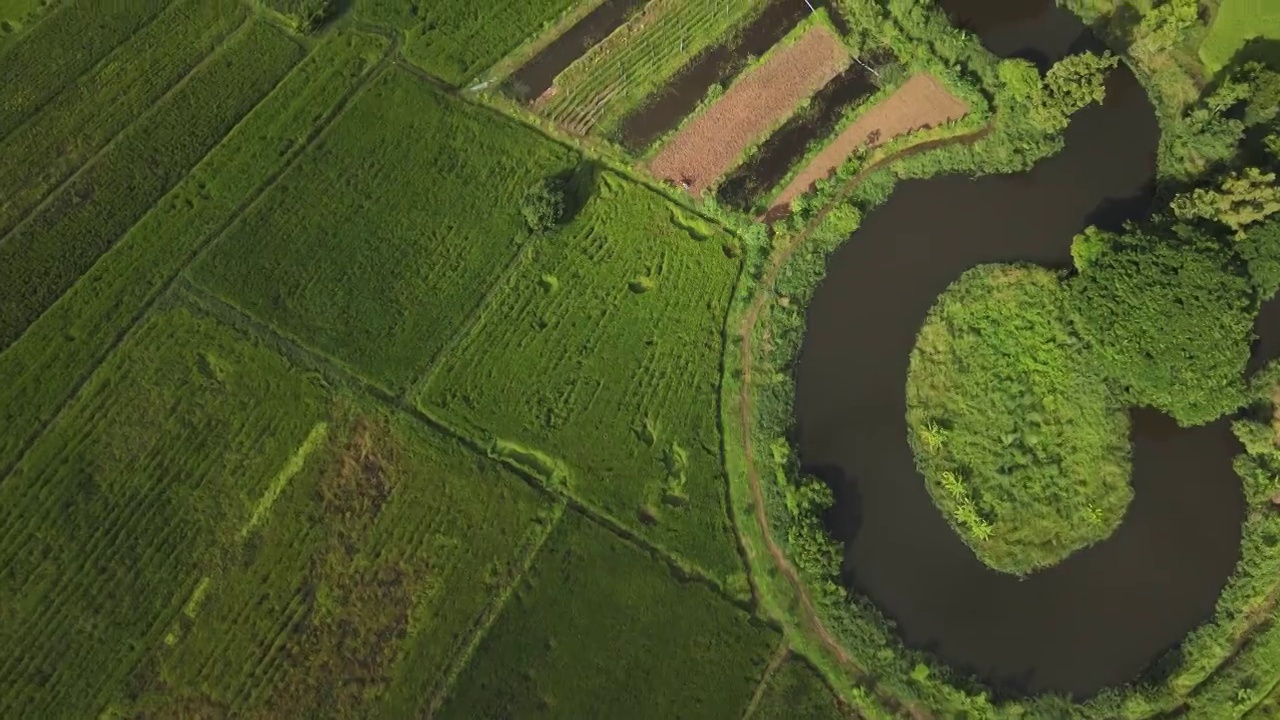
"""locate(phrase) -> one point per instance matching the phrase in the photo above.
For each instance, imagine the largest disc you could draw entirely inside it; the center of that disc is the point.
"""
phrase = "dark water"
(534, 77)
(1105, 614)
(662, 113)
(784, 148)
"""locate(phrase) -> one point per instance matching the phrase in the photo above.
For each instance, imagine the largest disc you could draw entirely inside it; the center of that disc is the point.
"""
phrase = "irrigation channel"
(1108, 613)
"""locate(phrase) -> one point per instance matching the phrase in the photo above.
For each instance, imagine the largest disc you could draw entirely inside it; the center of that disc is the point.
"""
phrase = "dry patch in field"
(713, 143)
(921, 102)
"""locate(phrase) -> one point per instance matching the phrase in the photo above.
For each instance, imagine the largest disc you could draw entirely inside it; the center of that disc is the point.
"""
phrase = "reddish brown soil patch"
(713, 143)
(921, 102)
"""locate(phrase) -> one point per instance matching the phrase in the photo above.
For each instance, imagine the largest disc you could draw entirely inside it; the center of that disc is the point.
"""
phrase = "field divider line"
(115, 139)
(473, 318)
(775, 661)
(107, 58)
(488, 615)
(252, 199)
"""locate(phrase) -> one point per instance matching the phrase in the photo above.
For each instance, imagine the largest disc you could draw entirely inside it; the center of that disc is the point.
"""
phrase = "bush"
(543, 205)
(305, 15)
(1012, 425)
(1171, 322)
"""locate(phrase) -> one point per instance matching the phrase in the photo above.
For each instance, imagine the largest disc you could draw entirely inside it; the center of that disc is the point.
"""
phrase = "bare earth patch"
(712, 143)
(921, 102)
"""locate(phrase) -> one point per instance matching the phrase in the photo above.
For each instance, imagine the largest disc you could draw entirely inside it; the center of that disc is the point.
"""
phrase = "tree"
(1162, 27)
(1072, 83)
(543, 205)
(1242, 199)
(1260, 248)
(1171, 322)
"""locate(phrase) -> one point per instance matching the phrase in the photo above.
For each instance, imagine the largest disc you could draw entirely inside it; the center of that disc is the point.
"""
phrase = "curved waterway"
(1103, 616)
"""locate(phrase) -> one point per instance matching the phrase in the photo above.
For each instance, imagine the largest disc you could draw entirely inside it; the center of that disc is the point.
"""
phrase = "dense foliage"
(1171, 320)
(1021, 444)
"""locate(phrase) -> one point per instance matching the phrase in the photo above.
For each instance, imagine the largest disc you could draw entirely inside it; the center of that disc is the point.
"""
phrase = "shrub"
(543, 205)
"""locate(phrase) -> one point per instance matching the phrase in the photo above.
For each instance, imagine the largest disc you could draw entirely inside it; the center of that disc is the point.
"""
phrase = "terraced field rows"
(415, 225)
(46, 364)
(116, 513)
(46, 255)
(78, 122)
(56, 51)
(616, 75)
(362, 583)
(602, 349)
(600, 629)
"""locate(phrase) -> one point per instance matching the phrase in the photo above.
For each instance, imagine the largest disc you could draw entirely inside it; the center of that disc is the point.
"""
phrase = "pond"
(1103, 616)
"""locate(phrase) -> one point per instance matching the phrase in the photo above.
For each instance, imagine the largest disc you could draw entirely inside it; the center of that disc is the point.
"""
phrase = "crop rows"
(456, 39)
(45, 255)
(617, 74)
(362, 582)
(600, 629)
(82, 119)
(417, 219)
(112, 517)
(61, 48)
(43, 367)
(603, 349)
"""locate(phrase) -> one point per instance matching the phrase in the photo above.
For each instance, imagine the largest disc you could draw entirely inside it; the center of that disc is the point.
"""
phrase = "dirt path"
(779, 656)
(713, 142)
(809, 616)
(921, 102)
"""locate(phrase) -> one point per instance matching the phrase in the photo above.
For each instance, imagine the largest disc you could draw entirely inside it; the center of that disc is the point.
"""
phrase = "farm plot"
(714, 142)
(112, 517)
(921, 102)
(55, 52)
(603, 349)
(63, 345)
(599, 629)
(363, 580)
(796, 690)
(420, 213)
(456, 39)
(45, 255)
(79, 121)
(597, 91)
(1235, 24)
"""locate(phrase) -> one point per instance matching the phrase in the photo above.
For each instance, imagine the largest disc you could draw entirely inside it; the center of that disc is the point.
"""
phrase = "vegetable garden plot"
(63, 345)
(713, 142)
(600, 629)
(603, 350)
(456, 39)
(612, 78)
(362, 581)
(46, 255)
(113, 516)
(78, 122)
(64, 45)
(377, 246)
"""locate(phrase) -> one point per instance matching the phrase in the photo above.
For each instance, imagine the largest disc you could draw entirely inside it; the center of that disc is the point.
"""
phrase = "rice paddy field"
(1235, 24)
(338, 379)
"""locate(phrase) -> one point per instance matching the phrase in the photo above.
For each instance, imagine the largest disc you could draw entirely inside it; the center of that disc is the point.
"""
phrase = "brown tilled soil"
(921, 102)
(712, 143)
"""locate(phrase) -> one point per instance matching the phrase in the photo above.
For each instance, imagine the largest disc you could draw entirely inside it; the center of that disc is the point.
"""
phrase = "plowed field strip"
(710, 145)
(921, 102)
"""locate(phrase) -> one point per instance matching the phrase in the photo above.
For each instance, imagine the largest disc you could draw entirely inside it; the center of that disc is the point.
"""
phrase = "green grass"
(52, 54)
(600, 629)
(615, 76)
(46, 255)
(131, 496)
(1012, 424)
(44, 366)
(362, 581)
(455, 40)
(603, 349)
(420, 213)
(796, 690)
(1237, 22)
(81, 120)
